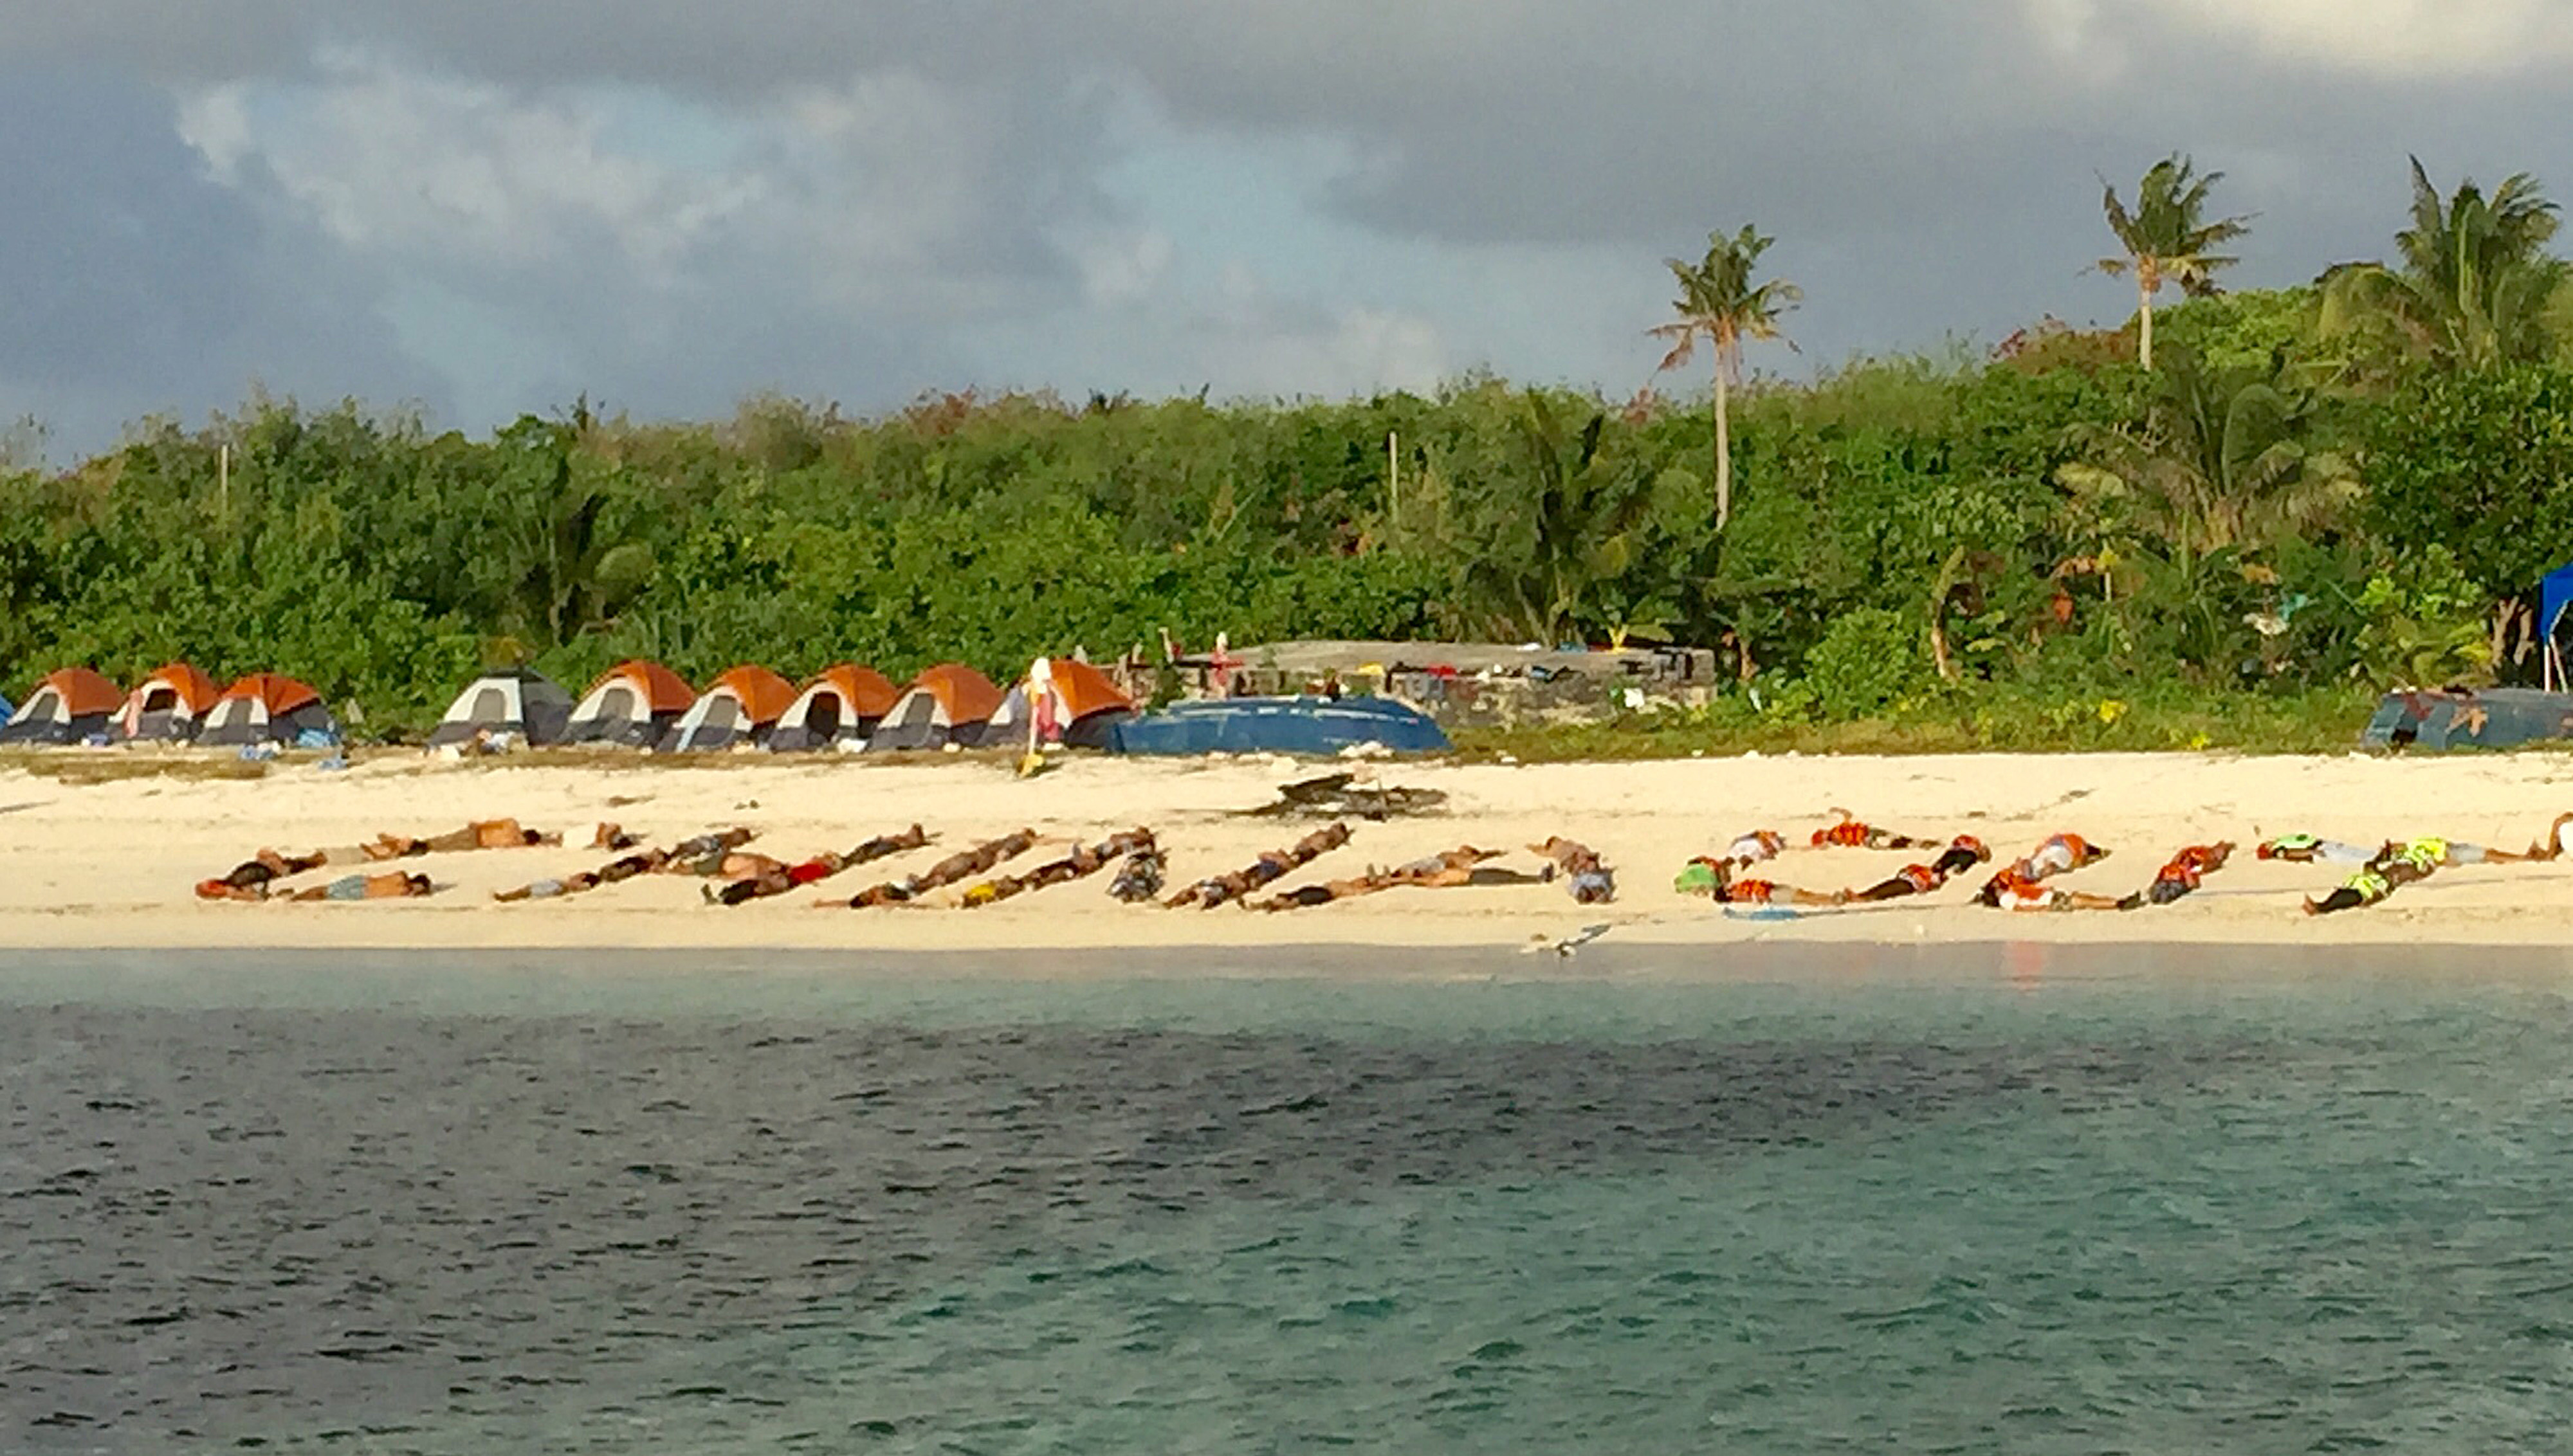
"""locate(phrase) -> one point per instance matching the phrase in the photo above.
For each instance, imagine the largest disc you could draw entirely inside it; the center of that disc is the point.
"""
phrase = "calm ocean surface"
(1986, 1201)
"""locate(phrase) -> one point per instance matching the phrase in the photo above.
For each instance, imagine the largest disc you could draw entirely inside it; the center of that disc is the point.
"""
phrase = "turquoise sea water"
(2117, 1200)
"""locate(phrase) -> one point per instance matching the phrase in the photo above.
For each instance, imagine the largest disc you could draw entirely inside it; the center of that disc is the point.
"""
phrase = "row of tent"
(635, 704)
(175, 704)
(639, 704)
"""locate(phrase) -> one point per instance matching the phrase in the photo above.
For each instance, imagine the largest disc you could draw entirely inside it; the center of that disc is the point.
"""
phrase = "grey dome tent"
(516, 701)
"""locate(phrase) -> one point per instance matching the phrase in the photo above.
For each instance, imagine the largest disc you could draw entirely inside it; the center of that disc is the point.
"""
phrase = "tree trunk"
(1723, 445)
(2143, 322)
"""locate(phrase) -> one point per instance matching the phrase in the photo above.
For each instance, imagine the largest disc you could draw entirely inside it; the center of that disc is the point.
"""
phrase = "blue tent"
(2554, 595)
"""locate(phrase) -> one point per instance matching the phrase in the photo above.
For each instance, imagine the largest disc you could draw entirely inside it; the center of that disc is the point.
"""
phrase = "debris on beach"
(1343, 796)
(1565, 945)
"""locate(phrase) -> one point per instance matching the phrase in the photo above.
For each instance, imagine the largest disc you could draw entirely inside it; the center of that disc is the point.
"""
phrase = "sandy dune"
(111, 864)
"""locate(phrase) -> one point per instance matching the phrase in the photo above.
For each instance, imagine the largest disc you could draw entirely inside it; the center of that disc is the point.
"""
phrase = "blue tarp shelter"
(2469, 718)
(1313, 727)
(2554, 595)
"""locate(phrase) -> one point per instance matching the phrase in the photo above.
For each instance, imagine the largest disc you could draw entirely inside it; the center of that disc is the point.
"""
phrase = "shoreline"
(108, 866)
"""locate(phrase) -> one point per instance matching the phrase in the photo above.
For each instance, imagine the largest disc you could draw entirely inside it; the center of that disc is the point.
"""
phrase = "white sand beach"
(111, 864)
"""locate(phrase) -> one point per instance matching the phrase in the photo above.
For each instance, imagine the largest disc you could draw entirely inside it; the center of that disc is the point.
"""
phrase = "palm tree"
(2476, 279)
(2167, 241)
(2222, 460)
(1547, 550)
(1720, 304)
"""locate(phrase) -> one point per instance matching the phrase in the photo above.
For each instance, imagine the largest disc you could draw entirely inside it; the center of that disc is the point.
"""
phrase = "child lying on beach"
(2059, 853)
(1462, 866)
(1586, 876)
(1713, 878)
(250, 880)
(773, 879)
(2307, 849)
(1963, 854)
(642, 862)
(393, 885)
(482, 834)
(1849, 833)
(958, 866)
(1083, 862)
(2185, 872)
(1269, 868)
(1751, 849)
(2370, 884)
(2014, 889)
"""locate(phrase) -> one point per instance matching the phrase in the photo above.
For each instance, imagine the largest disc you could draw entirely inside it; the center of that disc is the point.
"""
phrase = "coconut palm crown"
(2168, 239)
(2476, 280)
(1720, 305)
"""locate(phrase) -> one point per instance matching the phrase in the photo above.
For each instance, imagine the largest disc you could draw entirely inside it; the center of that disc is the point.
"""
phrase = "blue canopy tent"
(2554, 595)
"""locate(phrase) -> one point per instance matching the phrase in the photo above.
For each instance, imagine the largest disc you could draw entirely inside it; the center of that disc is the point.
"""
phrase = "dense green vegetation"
(2314, 492)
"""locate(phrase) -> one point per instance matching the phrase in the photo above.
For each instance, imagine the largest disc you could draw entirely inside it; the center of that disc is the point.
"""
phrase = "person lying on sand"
(2307, 849)
(2012, 889)
(727, 865)
(2059, 853)
(482, 834)
(2367, 887)
(1081, 863)
(250, 880)
(1752, 848)
(1587, 876)
(1139, 877)
(550, 889)
(2185, 872)
(1269, 869)
(2444, 853)
(1963, 854)
(1452, 869)
(393, 885)
(612, 837)
(773, 879)
(958, 866)
(689, 851)
(1714, 878)
(1849, 833)
(778, 879)
(642, 862)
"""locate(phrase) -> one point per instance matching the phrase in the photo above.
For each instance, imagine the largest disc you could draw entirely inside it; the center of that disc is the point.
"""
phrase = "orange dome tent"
(842, 705)
(66, 707)
(950, 703)
(739, 707)
(632, 704)
(267, 707)
(170, 705)
(1070, 701)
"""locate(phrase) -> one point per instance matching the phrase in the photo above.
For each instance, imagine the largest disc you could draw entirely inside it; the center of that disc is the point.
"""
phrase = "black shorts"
(2164, 891)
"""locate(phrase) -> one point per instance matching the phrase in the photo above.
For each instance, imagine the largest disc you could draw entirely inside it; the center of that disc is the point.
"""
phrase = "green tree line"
(2353, 482)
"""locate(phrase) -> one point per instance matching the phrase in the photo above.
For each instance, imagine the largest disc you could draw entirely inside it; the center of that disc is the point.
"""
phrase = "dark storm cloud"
(133, 281)
(1929, 167)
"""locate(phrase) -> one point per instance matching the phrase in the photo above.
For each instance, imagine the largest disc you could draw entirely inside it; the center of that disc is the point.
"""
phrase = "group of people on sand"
(256, 878)
(736, 875)
(2021, 885)
(2381, 869)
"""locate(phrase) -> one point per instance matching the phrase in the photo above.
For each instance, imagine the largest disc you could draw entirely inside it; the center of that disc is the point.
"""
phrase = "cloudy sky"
(481, 206)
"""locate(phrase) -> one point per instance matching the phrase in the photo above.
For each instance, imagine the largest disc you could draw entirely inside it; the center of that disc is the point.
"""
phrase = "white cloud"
(2397, 39)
